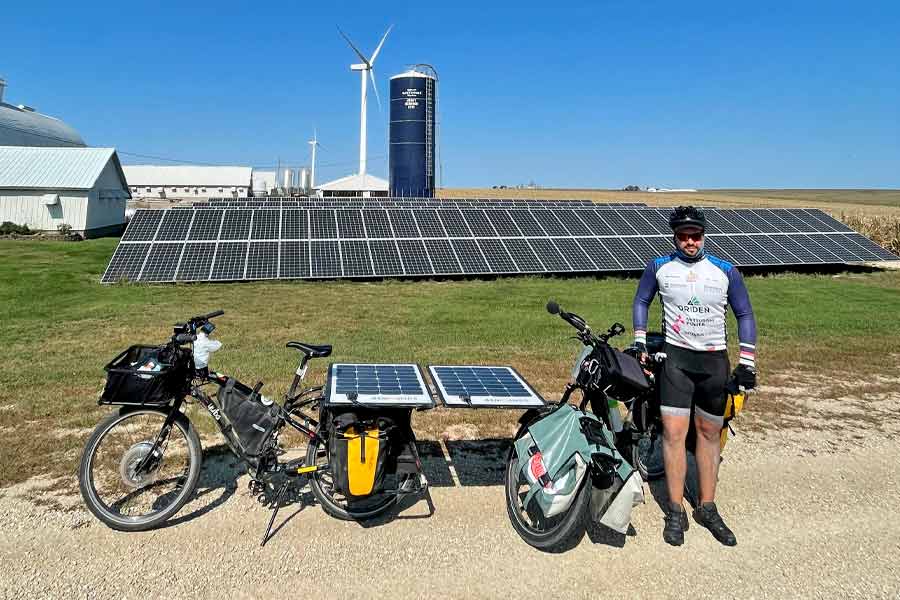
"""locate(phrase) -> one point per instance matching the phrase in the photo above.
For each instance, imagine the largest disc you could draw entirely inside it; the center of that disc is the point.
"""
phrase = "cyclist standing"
(695, 290)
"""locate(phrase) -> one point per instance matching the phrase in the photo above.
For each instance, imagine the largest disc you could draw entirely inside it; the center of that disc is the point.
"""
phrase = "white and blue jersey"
(695, 297)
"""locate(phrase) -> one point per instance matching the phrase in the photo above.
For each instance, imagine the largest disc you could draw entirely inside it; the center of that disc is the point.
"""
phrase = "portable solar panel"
(464, 386)
(377, 385)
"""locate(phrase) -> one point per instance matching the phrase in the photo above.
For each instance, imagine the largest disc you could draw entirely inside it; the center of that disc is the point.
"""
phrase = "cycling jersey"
(695, 297)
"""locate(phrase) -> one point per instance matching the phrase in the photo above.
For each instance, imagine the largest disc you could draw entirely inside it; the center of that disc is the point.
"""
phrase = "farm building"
(153, 181)
(354, 185)
(44, 188)
(23, 126)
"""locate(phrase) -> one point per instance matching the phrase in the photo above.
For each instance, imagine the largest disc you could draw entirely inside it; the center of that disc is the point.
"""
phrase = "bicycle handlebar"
(581, 325)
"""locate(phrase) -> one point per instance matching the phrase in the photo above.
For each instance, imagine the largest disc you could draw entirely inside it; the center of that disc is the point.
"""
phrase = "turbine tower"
(312, 171)
(367, 65)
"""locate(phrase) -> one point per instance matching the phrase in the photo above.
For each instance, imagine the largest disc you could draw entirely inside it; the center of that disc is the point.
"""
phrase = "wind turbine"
(312, 172)
(366, 66)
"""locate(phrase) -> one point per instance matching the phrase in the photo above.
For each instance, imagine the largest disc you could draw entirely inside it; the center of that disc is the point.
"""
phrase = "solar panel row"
(228, 245)
(347, 223)
(401, 203)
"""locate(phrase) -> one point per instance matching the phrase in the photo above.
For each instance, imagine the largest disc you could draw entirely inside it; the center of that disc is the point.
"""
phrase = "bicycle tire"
(569, 528)
(88, 489)
(324, 493)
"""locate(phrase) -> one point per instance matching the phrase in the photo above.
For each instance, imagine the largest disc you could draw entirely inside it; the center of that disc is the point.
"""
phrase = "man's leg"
(707, 453)
(710, 406)
(676, 390)
(675, 428)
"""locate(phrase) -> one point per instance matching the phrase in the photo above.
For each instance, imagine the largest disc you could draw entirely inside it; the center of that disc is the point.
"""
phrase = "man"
(695, 290)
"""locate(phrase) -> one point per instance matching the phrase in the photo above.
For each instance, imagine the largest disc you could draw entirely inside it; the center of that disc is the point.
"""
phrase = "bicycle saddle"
(310, 350)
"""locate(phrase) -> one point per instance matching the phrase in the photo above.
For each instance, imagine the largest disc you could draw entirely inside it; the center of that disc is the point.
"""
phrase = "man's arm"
(739, 300)
(647, 288)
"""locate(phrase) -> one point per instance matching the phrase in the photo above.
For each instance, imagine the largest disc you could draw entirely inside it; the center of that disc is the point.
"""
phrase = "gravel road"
(815, 516)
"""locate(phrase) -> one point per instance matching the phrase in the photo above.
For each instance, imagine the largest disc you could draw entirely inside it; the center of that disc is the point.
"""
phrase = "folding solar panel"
(464, 386)
(400, 385)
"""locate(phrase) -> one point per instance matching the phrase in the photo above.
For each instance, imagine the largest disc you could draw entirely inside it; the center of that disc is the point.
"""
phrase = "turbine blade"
(352, 45)
(371, 61)
(375, 87)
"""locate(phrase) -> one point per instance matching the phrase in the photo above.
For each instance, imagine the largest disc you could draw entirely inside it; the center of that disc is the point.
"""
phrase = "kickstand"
(278, 497)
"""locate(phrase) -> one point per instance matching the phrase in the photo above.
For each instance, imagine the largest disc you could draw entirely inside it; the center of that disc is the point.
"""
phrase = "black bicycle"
(142, 463)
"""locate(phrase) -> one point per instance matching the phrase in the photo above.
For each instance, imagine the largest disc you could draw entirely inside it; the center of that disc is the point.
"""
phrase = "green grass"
(60, 326)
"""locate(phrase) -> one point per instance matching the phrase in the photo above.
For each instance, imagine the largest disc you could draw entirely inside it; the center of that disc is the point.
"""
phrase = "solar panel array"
(314, 243)
(355, 202)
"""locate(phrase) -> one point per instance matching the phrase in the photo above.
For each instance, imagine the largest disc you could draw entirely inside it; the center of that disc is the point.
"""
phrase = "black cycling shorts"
(694, 379)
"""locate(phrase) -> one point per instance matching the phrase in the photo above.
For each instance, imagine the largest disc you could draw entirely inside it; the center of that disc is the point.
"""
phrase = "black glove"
(745, 377)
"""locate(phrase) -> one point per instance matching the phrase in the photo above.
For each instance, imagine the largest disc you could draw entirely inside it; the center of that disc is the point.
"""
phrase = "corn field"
(883, 229)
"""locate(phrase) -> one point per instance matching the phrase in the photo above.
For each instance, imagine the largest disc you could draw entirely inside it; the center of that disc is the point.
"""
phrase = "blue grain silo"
(412, 134)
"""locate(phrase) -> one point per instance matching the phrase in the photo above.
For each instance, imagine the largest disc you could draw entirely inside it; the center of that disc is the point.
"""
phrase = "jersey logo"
(695, 301)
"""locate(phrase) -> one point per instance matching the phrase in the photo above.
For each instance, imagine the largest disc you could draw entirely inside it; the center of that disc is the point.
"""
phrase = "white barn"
(44, 188)
(180, 181)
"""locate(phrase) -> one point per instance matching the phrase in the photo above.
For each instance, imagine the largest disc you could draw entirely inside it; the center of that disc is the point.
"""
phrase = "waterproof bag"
(555, 453)
(358, 452)
(251, 420)
(733, 406)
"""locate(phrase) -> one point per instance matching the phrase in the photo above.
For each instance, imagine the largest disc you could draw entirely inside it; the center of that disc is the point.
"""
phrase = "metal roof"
(412, 73)
(23, 167)
(23, 127)
(356, 182)
(181, 175)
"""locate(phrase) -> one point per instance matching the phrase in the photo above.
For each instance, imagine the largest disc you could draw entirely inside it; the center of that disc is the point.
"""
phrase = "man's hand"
(745, 377)
(640, 349)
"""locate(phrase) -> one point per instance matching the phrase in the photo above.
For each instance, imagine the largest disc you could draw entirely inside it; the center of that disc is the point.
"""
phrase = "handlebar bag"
(623, 374)
(358, 450)
(252, 422)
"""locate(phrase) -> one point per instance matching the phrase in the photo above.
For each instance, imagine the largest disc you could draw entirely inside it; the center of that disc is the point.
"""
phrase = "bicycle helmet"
(687, 216)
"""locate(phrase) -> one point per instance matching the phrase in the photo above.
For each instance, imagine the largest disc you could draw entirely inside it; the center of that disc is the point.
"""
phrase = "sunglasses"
(683, 237)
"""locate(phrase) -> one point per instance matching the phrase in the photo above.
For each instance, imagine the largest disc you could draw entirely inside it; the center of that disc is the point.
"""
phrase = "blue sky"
(599, 94)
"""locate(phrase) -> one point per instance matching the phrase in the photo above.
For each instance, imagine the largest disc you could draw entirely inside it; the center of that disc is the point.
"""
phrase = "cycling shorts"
(692, 379)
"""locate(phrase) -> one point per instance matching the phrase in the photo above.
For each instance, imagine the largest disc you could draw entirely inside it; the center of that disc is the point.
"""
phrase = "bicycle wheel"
(554, 534)
(127, 492)
(332, 500)
(647, 457)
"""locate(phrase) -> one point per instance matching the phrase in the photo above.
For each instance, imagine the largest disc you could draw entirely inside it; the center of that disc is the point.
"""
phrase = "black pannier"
(622, 374)
(363, 447)
(252, 421)
(143, 376)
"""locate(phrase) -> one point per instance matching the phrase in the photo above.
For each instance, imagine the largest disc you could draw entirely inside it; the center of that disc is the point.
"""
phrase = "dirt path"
(814, 511)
